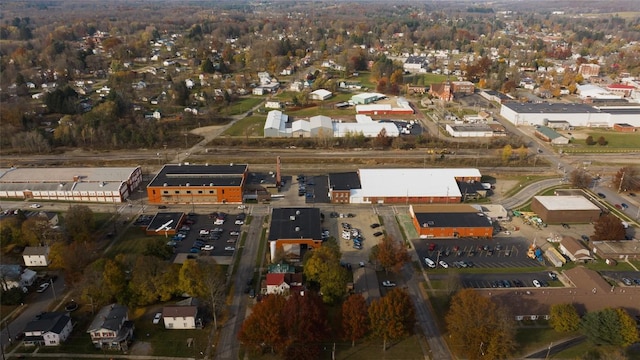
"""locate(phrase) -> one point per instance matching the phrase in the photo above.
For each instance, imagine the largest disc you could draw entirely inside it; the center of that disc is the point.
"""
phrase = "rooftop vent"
(297, 229)
(165, 184)
(297, 212)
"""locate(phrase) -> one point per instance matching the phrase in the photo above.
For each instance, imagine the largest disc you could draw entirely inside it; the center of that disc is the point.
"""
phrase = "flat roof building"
(198, 184)
(293, 231)
(450, 221)
(565, 209)
(108, 184)
(384, 186)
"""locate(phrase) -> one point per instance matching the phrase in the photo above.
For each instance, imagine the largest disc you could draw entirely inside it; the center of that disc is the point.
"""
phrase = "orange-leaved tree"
(390, 254)
(263, 330)
(392, 317)
(478, 328)
(355, 318)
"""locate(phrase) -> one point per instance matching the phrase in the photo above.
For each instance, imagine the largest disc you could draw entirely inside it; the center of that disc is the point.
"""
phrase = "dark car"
(374, 225)
(377, 233)
(162, 206)
(602, 196)
(432, 246)
(566, 226)
(585, 237)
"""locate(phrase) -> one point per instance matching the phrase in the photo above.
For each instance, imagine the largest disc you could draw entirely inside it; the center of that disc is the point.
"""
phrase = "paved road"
(526, 193)
(229, 345)
(554, 349)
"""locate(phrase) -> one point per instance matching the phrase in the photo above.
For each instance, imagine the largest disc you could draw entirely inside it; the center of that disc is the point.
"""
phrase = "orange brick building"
(294, 231)
(198, 184)
(450, 221)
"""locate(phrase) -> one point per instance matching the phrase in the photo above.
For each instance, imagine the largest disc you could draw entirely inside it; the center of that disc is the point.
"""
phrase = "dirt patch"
(141, 348)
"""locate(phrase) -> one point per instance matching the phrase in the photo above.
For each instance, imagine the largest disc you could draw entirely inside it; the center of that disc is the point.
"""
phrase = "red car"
(618, 206)
(432, 246)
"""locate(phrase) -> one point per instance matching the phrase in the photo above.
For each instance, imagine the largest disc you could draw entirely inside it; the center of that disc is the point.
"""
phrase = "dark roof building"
(203, 184)
(450, 221)
(341, 184)
(294, 230)
(165, 223)
(48, 329)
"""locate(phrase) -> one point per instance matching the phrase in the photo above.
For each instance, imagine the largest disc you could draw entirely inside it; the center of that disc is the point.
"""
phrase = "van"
(429, 263)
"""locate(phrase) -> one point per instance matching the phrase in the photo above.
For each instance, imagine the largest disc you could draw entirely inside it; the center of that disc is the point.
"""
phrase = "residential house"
(13, 276)
(48, 329)
(283, 283)
(36, 256)
(415, 64)
(181, 317)
(270, 104)
(111, 328)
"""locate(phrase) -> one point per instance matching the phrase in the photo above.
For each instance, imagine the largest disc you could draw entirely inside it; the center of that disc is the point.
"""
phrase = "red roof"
(275, 279)
(620, 86)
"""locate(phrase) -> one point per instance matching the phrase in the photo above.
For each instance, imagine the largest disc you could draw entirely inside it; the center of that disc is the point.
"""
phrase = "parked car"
(627, 281)
(553, 275)
(388, 283)
(157, 317)
(374, 225)
(536, 283)
(618, 206)
(443, 264)
(204, 232)
(432, 247)
(378, 233)
(602, 196)
(585, 237)
(43, 287)
(624, 206)
(207, 247)
(35, 206)
(229, 248)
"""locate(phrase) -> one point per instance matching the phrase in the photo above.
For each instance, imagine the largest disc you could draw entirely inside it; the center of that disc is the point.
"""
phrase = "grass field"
(617, 141)
(250, 126)
(133, 241)
(241, 106)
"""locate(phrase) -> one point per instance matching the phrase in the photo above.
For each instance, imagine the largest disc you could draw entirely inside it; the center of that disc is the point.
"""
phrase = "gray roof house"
(48, 329)
(111, 328)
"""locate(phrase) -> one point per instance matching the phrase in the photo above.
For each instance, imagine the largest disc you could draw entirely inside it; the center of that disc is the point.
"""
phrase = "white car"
(157, 317)
(207, 247)
(204, 232)
(346, 235)
(35, 206)
(229, 248)
(242, 207)
(239, 222)
(43, 287)
(219, 222)
(388, 283)
(443, 264)
(536, 283)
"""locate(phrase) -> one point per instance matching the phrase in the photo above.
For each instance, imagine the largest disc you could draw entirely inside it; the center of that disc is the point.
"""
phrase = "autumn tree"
(263, 331)
(507, 151)
(478, 327)
(390, 254)
(609, 327)
(608, 227)
(382, 140)
(564, 318)
(580, 178)
(322, 266)
(355, 318)
(627, 179)
(306, 327)
(392, 317)
(79, 223)
(522, 152)
(114, 281)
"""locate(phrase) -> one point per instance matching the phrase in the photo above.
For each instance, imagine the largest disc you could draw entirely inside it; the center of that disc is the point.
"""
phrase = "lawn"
(242, 106)
(617, 141)
(535, 338)
(408, 348)
(250, 126)
(133, 241)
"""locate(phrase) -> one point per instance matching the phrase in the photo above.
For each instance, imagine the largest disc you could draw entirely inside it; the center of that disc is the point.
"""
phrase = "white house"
(281, 283)
(48, 329)
(180, 317)
(36, 256)
(273, 104)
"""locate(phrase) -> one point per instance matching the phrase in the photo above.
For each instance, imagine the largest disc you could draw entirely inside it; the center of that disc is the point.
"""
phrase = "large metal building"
(565, 209)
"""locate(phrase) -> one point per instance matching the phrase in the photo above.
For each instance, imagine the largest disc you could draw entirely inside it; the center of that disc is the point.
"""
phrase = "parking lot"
(200, 230)
(508, 280)
(500, 252)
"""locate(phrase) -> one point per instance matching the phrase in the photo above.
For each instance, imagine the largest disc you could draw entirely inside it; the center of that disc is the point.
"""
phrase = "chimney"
(278, 172)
